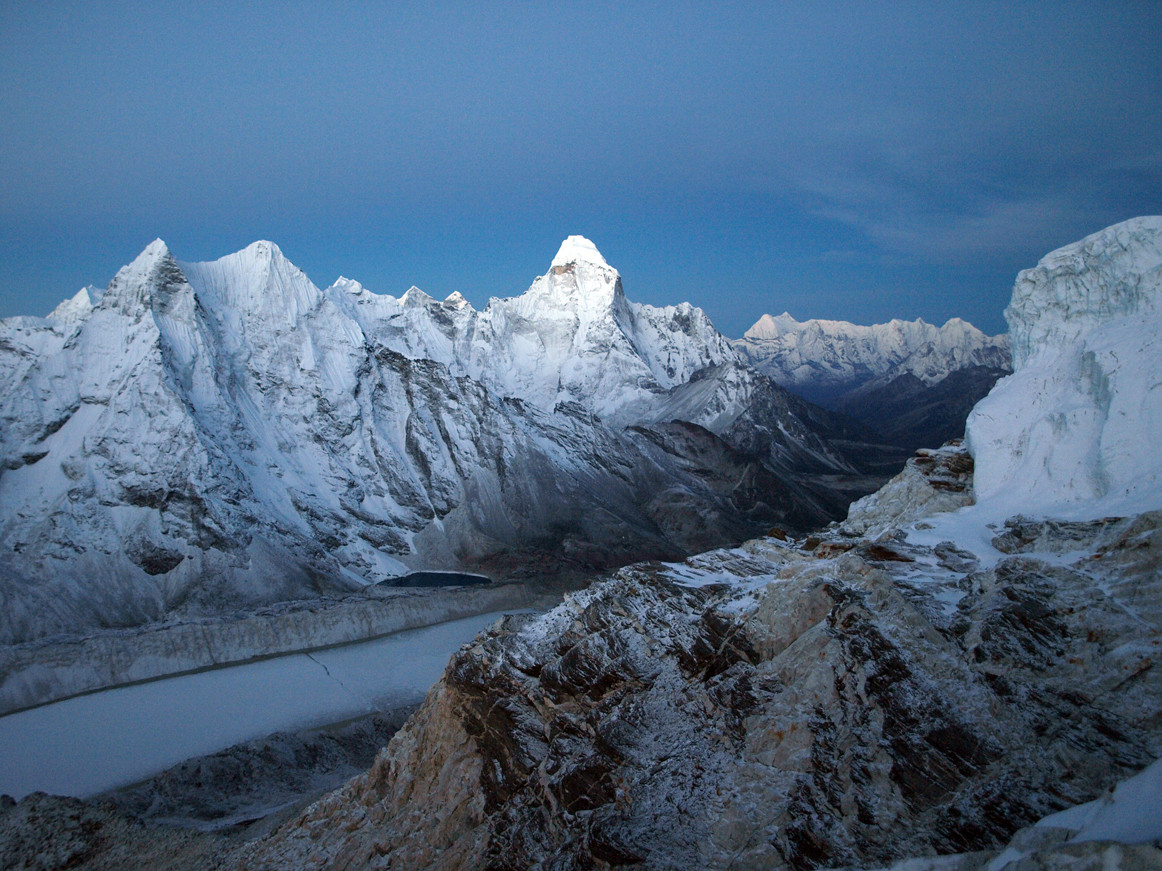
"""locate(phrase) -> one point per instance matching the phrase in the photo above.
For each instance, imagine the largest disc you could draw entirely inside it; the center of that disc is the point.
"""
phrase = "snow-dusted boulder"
(1074, 429)
(932, 482)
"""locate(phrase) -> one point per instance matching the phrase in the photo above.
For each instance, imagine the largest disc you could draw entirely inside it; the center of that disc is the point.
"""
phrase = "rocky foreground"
(841, 700)
(776, 707)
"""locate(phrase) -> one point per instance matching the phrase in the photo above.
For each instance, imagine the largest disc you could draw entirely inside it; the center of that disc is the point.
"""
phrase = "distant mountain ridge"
(912, 382)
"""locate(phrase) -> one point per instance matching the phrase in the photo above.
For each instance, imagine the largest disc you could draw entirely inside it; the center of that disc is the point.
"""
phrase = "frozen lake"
(89, 744)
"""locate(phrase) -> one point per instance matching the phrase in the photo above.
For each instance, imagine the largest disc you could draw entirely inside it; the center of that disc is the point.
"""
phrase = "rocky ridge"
(788, 704)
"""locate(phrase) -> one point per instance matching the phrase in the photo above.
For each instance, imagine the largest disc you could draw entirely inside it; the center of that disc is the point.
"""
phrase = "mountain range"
(962, 675)
(200, 437)
(910, 382)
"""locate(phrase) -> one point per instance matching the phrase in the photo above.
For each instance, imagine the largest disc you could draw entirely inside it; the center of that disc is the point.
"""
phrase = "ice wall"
(1074, 430)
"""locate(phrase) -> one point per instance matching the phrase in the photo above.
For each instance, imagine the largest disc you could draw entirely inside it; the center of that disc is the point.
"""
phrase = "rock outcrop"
(770, 707)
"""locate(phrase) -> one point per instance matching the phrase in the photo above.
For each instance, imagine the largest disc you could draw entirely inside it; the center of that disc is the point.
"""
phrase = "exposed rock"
(1027, 535)
(933, 481)
(47, 833)
(251, 781)
(811, 712)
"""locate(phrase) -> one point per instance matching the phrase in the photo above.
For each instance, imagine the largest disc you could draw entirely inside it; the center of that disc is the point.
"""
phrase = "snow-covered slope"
(825, 360)
(204, 436)
(1074, 429)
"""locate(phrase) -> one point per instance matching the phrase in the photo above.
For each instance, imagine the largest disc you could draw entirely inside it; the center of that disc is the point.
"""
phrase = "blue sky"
(851, 160)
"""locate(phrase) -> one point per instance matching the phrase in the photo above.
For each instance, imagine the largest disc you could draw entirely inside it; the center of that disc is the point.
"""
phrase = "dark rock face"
(818, 711)
(1025, 534)
(247, 782)
(46, 833)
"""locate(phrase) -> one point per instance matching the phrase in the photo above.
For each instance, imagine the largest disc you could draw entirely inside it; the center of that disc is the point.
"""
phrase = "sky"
(856, 161)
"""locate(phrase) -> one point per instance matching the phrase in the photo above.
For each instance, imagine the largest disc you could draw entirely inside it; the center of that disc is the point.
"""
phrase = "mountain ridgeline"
(202, 437)
(910, 383)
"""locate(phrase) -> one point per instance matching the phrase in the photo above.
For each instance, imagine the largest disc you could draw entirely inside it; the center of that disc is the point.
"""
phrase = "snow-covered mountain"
(203, 436)
(911, 382)
(930, 685)
(572, 337)
(824, 360)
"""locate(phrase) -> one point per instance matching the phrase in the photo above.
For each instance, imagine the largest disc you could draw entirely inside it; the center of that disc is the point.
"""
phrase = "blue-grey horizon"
(903, 160)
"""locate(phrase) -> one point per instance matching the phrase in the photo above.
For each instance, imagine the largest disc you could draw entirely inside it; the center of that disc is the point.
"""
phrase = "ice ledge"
(578, 249)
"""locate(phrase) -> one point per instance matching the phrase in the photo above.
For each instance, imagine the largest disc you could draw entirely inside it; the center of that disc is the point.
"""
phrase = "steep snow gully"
(962, 674)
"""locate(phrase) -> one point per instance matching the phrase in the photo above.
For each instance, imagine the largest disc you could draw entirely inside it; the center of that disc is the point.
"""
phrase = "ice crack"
(327, 671)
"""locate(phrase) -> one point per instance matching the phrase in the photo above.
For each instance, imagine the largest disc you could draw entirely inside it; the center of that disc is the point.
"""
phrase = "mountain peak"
(78, 307)
(129, 288)
(259, 278)
(148, 258)
(263, 251)
(578, 249)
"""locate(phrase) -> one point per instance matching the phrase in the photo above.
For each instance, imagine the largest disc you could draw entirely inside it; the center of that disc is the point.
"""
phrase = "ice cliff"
(1073, 430)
